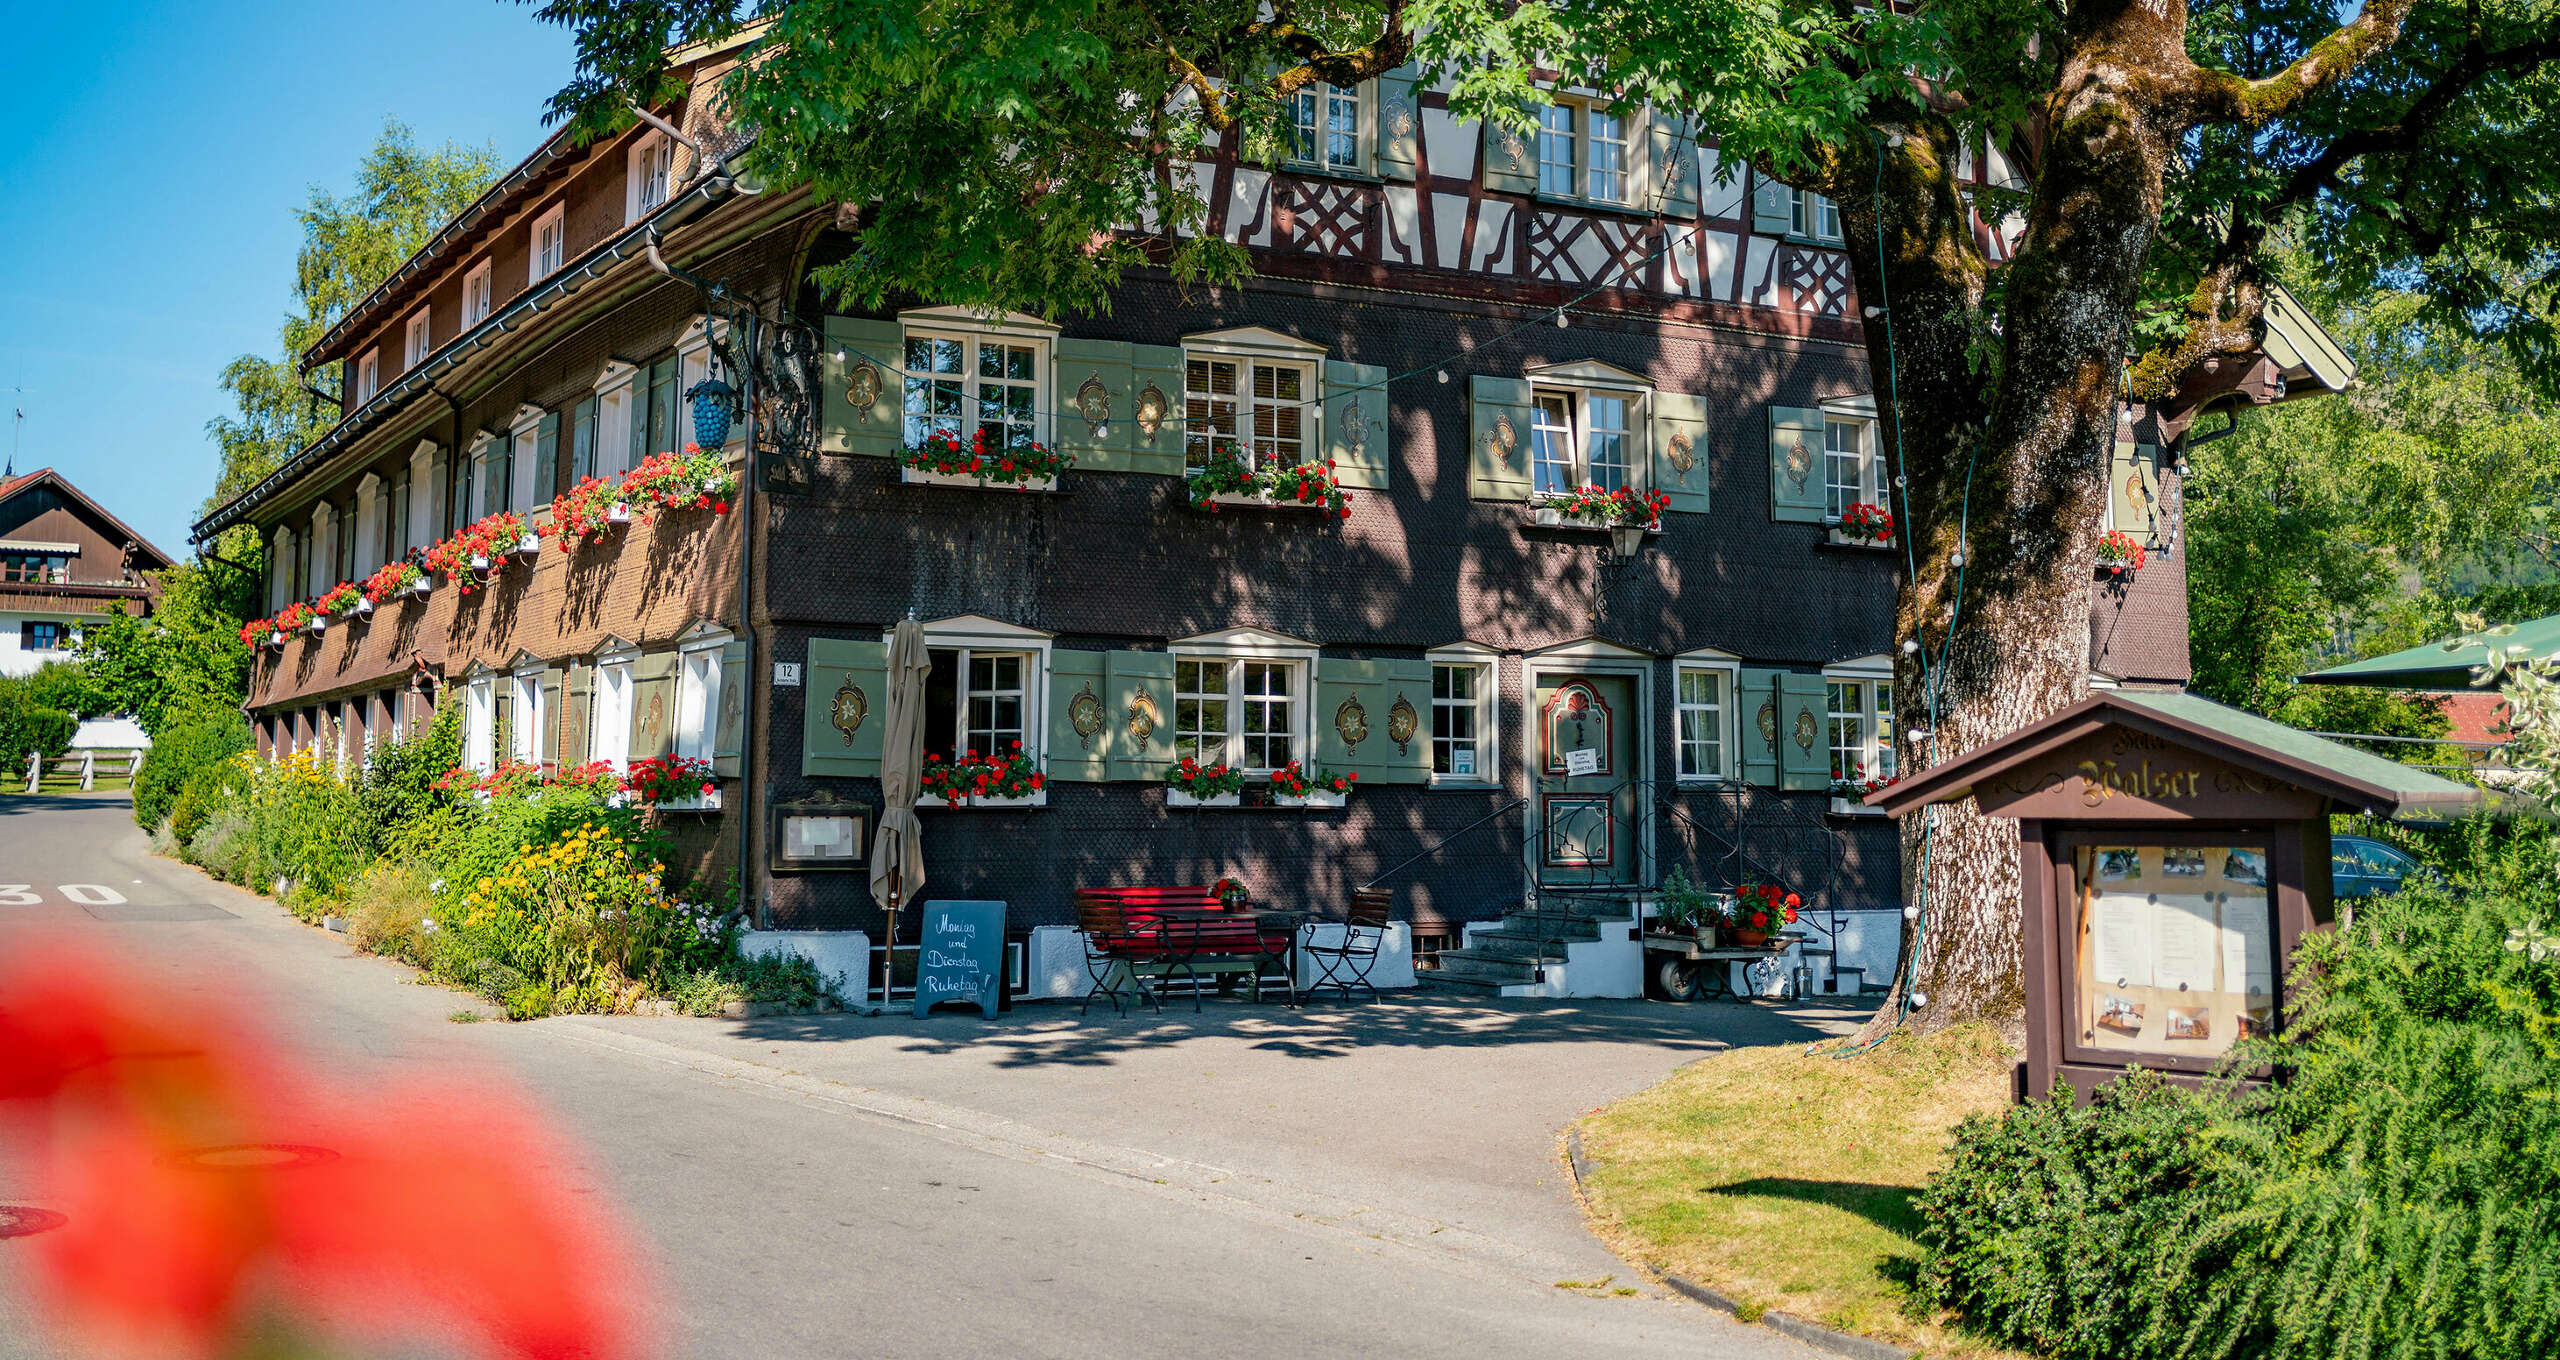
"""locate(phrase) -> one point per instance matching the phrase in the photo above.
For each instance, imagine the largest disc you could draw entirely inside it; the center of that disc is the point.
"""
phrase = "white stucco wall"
(16, 660)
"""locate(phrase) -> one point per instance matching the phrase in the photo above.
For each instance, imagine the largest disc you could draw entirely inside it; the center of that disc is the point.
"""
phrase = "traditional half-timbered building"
(1465, 325)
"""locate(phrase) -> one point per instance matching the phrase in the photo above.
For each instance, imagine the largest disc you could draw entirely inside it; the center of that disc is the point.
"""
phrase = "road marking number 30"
(86, 894)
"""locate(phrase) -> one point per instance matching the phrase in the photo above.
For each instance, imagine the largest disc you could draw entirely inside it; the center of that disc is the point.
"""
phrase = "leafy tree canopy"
(350, 242)
(187, 657)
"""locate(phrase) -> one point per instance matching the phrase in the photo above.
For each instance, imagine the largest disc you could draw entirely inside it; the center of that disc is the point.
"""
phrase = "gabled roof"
(2446, 664)
(2355, 778)
(12, 489)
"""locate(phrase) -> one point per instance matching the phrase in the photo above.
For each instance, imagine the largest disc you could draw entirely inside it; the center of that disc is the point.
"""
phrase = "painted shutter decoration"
(1137, 714)
(1797, 493)
(1756, 703)
(1399, 123)
(1078, 743)
(1804, 731)
(546, 458)
(1680, 450)
(843, 707)
(1772, 206)
(1375, 701)
(1092, 416)
(728, 733)
(1510, 159)
(1154, 443)
(1497, 438)
(1355, 424)
(861, 405)
(2133, 492)
(653, 706)
(1674, 167)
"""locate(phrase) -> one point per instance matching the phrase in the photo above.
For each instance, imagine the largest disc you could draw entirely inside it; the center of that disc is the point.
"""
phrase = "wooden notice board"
(960, 956)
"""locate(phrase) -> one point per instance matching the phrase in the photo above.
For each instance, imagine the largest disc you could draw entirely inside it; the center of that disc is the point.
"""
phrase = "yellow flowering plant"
(588, 921)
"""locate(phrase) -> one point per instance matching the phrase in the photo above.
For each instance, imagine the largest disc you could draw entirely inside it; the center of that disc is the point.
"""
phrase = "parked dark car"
(2361, 867)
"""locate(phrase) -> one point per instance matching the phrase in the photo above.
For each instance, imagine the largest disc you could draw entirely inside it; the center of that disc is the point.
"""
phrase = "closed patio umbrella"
(897, 852)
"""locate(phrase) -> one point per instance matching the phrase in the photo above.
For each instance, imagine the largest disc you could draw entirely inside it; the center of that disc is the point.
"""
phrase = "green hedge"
(206, 739)
(29, 724)
(2395, 1196)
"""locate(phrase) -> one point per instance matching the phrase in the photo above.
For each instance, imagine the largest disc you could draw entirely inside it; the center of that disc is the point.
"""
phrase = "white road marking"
(92, 894)
(18, 895)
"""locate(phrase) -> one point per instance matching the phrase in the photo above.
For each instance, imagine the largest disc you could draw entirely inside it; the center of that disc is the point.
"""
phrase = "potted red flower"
(1866, 523)
(1011, 774)
(692, 480)
(586, 512)
(1761, 910)
(2119, 553)
(392, 579)
(1206, 785)
(670, 779)
(1603, 509)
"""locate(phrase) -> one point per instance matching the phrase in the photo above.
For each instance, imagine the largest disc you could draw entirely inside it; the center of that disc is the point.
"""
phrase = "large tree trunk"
(2006, 474)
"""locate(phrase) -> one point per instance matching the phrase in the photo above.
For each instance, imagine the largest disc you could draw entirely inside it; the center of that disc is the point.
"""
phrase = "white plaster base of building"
(843, 957)
(1611, 966)
(1394, 966)
(1870, 941)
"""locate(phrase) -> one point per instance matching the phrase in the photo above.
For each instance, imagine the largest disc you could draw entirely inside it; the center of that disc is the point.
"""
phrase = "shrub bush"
(2395, 1195)
(586, 916)
(388, 909)
(200, 741)
(224, 847)
(29, 726)
(398, 785)
(306, 824)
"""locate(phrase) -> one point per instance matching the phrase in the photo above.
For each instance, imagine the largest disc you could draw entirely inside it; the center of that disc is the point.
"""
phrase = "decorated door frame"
(1630, 852)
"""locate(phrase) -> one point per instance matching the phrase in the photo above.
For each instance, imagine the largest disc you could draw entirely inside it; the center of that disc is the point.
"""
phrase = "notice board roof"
(2354, 778)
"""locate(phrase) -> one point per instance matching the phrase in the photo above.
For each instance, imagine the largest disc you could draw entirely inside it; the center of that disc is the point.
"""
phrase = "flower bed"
(1228, 480)
(945, 458)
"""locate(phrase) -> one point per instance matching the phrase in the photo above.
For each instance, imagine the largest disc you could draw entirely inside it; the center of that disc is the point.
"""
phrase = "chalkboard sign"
(961, 956)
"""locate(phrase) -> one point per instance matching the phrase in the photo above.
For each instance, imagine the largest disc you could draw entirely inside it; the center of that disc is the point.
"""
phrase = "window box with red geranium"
(2120, 553)
(1290, 787)
(1592, 508)
(942, 460)
(1849, 790)
(1760, 910)
(1864, 523)
(1010, 779)
(475, 553)
(676, 783)
(342, 600)
(585, 513)
(1302, 486)
(393, 580)
(258, 633)
(670, 482)
(1188, 783)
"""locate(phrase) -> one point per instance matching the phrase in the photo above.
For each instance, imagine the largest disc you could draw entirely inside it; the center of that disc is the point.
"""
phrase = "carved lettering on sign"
(2101, 780)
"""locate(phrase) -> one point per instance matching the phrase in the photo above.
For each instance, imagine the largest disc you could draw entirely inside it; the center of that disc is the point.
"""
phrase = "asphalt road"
(826, 1189)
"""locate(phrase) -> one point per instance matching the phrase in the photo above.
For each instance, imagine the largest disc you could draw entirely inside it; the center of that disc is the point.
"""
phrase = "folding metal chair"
(1112, 953)
(1346, 964)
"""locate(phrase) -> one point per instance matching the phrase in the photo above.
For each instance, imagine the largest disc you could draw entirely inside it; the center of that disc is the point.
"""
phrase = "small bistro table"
(1684, 968)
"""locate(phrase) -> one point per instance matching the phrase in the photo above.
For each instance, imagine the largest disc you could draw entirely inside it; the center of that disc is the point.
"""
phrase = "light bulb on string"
(1911, 913)
(1561, 320)
(1910, 645)
(1443, 375)
(1102, 431)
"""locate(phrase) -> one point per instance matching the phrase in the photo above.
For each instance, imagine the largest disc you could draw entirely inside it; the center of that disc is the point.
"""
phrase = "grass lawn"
(1785, 1181)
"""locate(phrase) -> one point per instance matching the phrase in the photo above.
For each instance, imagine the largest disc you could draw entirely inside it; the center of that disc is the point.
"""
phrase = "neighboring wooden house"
(1447, 638)
(63, 561)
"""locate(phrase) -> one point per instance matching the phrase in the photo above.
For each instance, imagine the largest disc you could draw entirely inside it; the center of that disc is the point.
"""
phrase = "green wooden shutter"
(1355, 424)
(1674, 167)
(1497, 438)
(1092, 416)
(1137, 714)
(1772, 206)
(1756, 703)
(728, 735)
(653, 706)
(1680, 450)
(1510, 159)
(1804, 731)
(2133, 492)
(582, 441)
(872, 353)
(660, 430)
(554, 693)
(546, 458)
(845, 704)
(1395, 696)
(1797, 493)
(1156, 379)
(1399, 123)
(577, 709)
(1078, 740)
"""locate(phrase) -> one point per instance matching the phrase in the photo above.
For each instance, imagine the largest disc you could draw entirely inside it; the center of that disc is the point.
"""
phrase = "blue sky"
(151, 158)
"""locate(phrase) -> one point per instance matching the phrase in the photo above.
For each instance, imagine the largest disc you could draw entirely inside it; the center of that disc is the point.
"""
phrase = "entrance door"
(1585, 775)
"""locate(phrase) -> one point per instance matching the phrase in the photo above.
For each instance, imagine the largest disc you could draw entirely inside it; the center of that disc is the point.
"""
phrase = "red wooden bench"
(1128, 933)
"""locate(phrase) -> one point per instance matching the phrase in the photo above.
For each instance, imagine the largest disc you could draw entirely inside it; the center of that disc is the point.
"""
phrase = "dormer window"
(1325, 126)
(368, 376)
(414, 352)
(475, 295)
(550, 242)
(652, 164)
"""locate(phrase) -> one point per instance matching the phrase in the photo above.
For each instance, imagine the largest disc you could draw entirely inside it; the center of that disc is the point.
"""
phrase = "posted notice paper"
(2120, 939)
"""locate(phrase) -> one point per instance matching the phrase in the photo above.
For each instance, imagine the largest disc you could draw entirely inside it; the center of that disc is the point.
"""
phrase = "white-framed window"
(476, 297)
(368, 375)
(1812, 216)
(550, 242)
(616, 405)
(479, 722)
(1559, 150)
(652, 161)
(524, 438)
(1610, 143)
(1581, 438)
(1257, 411)
(698, 694)
(1465, 689)
(1852, 467)
(523, 694)
(1326, 125)
(965, 384)
(1702, 709)
(1242, 698)
(417, 345)
(987, 689)
(1587, 150)
(1860, 729)
(609, 709)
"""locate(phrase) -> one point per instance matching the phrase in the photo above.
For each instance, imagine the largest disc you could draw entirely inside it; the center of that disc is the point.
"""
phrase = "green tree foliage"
(350, 242)
(39, 713)
(2394, 1197)
(186, 658)
(203, 739)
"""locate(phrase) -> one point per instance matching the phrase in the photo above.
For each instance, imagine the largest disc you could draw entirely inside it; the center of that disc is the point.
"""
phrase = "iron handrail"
(1439, 845)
